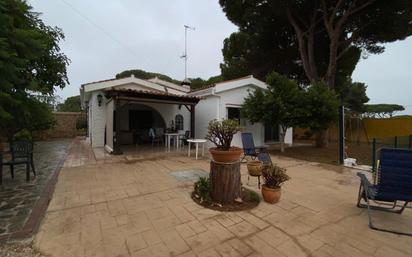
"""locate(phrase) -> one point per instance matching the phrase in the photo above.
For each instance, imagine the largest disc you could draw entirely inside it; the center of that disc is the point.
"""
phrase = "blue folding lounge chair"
(264, 157)
(393, 183)
(249, 148)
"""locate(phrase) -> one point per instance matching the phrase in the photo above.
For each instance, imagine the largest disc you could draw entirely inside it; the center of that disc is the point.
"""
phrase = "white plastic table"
(169, 136)
(197, 142)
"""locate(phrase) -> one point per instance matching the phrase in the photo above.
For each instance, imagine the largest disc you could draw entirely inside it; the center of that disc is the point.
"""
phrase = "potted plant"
(221, 134)
(273, 177)
(254, 167)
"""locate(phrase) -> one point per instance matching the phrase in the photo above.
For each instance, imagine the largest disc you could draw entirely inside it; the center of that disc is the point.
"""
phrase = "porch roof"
(135, 94)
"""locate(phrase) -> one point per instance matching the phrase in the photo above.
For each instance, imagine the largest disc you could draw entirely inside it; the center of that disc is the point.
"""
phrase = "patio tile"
(147, 213)
(209, 253)
(261, 248)
(253, 220)
(151, 237)
(185, 231)
(240, 246)
(226, 250)
(135, 243)
(243, 229)
(291, 249)
(202, 242)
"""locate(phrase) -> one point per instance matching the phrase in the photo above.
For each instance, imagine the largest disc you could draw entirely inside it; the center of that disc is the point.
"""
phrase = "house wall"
(215, 107)
(207, 109)
(97, 119)
(235, 98)
(166, 111)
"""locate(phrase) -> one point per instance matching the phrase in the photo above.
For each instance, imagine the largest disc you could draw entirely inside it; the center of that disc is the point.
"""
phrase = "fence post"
(396, 142)
(410, 141)
(373, 154)
(341, 134)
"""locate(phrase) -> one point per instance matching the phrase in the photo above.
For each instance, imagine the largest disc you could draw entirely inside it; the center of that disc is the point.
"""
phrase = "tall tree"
(322, 32)
(71, 104)
(31, 64)
(382, 110)
(280, 104)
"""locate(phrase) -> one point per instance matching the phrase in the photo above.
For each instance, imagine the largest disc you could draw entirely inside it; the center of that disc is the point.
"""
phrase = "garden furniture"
(249, 148)
(21, 153)
(264, 157)
(393, 183)
(185, 137)
(196, 142)
(169, 137)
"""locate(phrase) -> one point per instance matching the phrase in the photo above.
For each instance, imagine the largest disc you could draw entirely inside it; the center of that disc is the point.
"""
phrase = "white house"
(224, 100)
(122, 111)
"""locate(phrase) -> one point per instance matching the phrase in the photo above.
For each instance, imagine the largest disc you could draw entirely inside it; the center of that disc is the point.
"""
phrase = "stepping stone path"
(18, 197)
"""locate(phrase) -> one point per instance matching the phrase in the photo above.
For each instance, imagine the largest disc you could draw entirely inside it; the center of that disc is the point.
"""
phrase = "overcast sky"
(106, 37)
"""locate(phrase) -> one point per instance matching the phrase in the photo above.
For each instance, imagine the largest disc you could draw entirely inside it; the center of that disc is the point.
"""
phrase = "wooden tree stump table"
(225, 181)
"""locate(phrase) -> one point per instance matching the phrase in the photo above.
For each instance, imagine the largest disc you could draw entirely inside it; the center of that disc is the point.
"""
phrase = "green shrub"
(202, 190)
(23, 134)
(253, 196)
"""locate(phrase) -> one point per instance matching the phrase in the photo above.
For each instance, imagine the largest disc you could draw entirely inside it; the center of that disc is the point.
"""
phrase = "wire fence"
(404, 142)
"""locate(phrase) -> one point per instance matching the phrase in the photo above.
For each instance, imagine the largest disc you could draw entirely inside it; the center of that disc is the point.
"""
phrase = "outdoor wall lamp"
(99, 99)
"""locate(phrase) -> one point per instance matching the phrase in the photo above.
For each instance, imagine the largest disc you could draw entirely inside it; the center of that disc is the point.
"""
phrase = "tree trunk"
(322, 139)
(225, 181)
(282, 142)
(333, 62)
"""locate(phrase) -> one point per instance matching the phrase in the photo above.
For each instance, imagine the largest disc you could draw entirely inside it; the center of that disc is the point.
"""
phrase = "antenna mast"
(184, 56)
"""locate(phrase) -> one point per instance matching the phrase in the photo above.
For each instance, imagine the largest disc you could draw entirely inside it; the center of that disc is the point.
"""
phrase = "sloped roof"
(229, 85)
(151, 94)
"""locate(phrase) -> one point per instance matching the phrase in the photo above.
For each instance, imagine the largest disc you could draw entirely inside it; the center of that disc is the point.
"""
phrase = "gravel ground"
(23, 248)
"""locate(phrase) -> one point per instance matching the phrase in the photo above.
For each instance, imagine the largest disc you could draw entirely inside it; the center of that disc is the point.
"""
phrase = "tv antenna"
(184, 56)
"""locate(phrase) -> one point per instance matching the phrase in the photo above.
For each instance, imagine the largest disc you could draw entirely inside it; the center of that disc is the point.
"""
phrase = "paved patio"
(137, 208)
(18, 197)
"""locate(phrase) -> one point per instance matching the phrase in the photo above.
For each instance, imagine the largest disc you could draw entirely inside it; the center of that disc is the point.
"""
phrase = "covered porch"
(138, 120)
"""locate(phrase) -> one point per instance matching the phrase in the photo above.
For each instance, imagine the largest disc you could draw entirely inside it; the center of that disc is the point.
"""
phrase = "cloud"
(108, 37)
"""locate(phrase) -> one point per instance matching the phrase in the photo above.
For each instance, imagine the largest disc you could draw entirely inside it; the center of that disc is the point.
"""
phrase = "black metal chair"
(249, 148)
(185, 137)
(393, 183)
(21, 153)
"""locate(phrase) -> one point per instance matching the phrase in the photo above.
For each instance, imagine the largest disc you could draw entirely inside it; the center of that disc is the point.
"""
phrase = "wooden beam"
(187, 107)
(192, 121)
(116, 120)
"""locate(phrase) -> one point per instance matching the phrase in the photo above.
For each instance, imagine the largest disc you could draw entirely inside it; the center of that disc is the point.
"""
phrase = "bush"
(253, 196)
(23, 134)
(221, 133)
(202, 190)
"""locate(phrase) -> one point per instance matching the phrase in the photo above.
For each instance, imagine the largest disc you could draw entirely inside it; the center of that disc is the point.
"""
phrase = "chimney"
(186, 83)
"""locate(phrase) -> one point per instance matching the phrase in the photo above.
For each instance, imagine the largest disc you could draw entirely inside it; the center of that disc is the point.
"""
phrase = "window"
(235, 113)
(179, 122)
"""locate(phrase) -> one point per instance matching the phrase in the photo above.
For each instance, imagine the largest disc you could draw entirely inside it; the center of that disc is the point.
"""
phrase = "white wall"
(206, 110)
(215, 107)
(169, 111)
(235, 98)
(289, 136)
(98, 119)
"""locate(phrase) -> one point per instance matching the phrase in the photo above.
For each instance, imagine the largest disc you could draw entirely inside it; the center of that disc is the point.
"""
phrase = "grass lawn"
(362, 152)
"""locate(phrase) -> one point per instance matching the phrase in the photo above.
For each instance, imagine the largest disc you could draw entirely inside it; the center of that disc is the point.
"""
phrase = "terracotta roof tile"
(216, 84)
(150, 92)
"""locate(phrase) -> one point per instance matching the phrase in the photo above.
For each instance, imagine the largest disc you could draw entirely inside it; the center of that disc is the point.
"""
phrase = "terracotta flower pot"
(271, 195)
(232, 155)
(254, 167)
